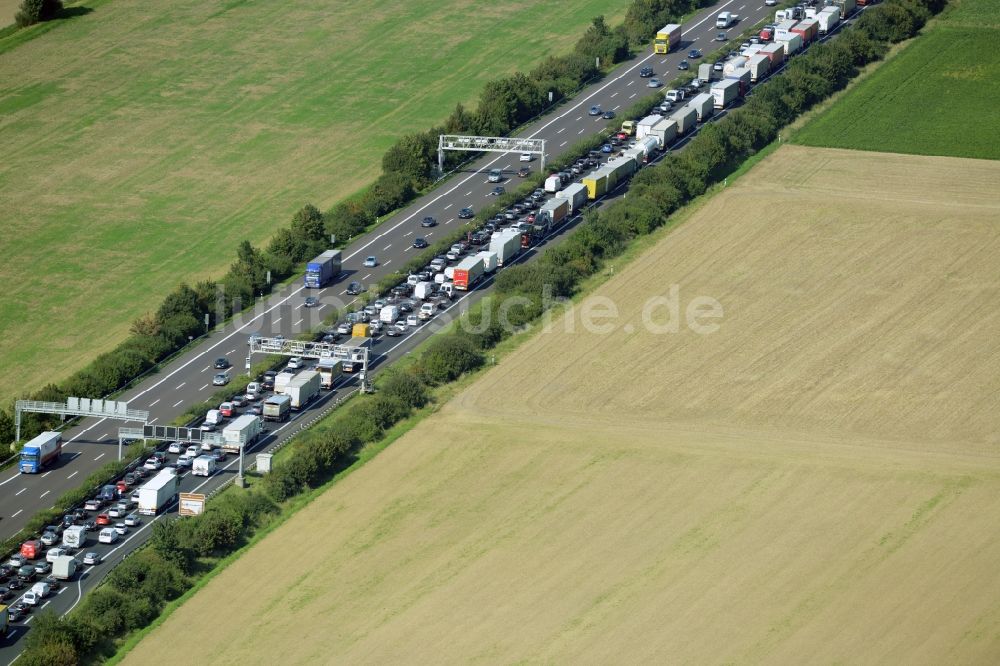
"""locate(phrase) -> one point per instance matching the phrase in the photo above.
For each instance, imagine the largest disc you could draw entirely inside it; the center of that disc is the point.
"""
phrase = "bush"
(447, 357)
(35, 11)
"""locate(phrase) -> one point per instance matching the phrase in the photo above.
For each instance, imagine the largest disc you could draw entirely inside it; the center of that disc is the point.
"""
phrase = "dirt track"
(817, 481)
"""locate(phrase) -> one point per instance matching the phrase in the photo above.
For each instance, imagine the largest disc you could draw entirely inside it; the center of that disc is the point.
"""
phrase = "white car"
(153, 464)
(401, 326)
(525, 157)
(107, 535)
(175, 447)
(192, 452)
(371, 262)
(134, 497)
(115, 512)
(253, 391)
(344, 329)
(121, 528)
(91, 558)
(184, 462)
(295, 363)
(54, 553)
(413, 320)
(132, 520)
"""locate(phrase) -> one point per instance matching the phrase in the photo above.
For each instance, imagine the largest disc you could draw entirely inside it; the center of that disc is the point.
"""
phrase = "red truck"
(808, 29)
(467, 273)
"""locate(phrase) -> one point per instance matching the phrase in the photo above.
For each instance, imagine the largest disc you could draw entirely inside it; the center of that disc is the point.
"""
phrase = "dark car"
(606, 148)
(239, 400)
(420, 243)
(497, 191)
(311, 302)
(608, 115)
(222, 363)
(524, 172)
(694, 53)
(646, 72)
(68, 520)
(15, 613)
(683, 64)
(355, 288)
(406, 306)
(17, 584)
(268, 380)
(466, 213)
(4, 594)
(595, 110)
(428, 222)
(26, 572)
(256, 409)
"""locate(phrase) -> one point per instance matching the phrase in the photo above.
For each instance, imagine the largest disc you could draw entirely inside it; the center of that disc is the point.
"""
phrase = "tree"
(36, 11)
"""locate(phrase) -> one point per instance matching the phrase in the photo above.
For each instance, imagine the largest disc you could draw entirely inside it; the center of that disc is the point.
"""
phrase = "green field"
(143, 141)
(939, 96)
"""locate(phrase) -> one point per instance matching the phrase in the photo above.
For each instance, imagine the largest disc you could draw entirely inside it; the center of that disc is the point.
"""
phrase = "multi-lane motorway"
(188, 378)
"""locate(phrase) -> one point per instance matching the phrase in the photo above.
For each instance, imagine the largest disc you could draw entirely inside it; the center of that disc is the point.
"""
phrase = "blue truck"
(40, 452)
(323, 269)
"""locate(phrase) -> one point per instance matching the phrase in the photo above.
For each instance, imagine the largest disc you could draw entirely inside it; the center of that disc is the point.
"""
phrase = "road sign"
(191, 504)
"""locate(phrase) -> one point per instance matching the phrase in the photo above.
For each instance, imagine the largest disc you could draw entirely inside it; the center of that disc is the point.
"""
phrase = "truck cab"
(628, 127)
(725, 19)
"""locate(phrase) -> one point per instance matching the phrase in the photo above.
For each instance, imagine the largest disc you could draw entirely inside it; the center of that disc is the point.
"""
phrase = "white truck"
(726, 19)
(576, 195)
(424, 290)
(245, 430)
(302, 389)
(281, 381)
(203, 466)
(489, 260)
(828, 19)
(158, 492)
(553, 183)
(389, 314)
(643, 127)
(74, 536)
(725, 92)
(279, 407)
(329, 370)
(704, 105)
(64, 567)
(665, 132)
(506, 245)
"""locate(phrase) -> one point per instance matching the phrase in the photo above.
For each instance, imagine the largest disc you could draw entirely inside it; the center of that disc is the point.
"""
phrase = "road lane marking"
(615, 93)
(581, 131)
(98, 457)
(387, 262)
(616, 108)
(46, 474)
(203, 387)
(102, 437)
(367, 276)
(156, 419)
(73, 474)
(408, 233)
(630, 83)
(578, 119)
(631, 96)
(387, 247)
(156, 401)
(176, 404)
(299, 322)
(276, 320)
(19, 492)
(407, 248)
(299, 306)
(181, 386)
(15, 515)
(560, 130)
(563, 144)
(16, 476)
(44, 494)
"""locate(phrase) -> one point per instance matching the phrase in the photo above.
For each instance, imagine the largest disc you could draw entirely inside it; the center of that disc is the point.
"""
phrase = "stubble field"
(143, 141)
(817, 481)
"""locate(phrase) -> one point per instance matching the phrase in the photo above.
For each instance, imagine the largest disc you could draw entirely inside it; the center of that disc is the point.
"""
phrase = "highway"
(188, 378)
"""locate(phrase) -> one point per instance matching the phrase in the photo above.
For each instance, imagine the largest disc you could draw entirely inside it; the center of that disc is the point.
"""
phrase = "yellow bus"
(667, 38)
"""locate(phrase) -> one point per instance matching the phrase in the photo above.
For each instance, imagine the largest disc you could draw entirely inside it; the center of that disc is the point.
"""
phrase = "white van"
(37, 592)
(426, 311)
(107, 535)
(203, 466)
(213, 418)
(253, 391)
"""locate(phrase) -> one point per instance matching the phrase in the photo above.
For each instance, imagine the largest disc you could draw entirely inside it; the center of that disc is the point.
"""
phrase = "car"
(221, 379)
(49, 538)
(694, 54)
(26, 572)
(770, 3)
(102, 519)
(42, 567)
(371, 262)
(5, 593)
(221, 363)
(453, 256)
(68, 520)
(17, 560)
(524, 172)
(525, 157)
(192, 451)
(354, 289)
(401, 326)
(129, 480)
(54, 553)
(393, 332)
(344, 328)
(608, 115)
(654, 83)
(92, 505)
(721, 37)
(428, 222)
(134, 497)
(91, 558)
(497, 191)
(310, 302)
(216, 454)
(15, 613)
(420, 242)
(175, 447)
(295, 363)
(256, 409)
(114, 512)
(466, 214)
(646, 72)
(413, 320)
(595, 110)
(184, 462)
(683, 65)
(696, 84)
(121, 528)
(226, 409)
(495, 176)
(52, 582)
(606, 148)
(107, 535)
(132, 520)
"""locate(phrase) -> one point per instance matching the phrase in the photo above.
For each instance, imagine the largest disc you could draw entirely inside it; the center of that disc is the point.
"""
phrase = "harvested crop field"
(816, 481)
